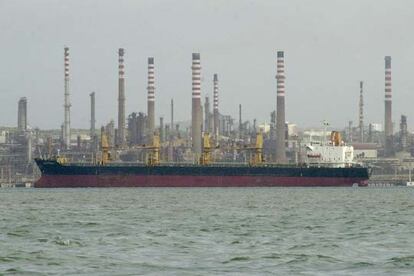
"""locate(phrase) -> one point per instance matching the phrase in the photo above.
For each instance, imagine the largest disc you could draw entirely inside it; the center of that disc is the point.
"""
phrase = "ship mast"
(325, 127)
(106, 156)
(154, 156)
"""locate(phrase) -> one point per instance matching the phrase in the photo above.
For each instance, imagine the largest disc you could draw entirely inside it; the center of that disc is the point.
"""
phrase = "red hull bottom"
(84, 181)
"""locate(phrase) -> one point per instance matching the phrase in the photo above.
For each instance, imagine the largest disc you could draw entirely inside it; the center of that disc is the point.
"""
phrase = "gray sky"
(329, 47)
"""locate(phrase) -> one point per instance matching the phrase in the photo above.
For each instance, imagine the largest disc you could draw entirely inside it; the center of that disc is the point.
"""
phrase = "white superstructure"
(330, 154)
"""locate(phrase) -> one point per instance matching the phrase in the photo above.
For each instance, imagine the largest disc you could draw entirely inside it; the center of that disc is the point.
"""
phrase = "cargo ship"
(328, 165)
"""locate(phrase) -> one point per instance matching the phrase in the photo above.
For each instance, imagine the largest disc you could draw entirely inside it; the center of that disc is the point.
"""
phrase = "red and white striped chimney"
(280, 112)
(361, 112)
(151, 97)
(121, 99)
(67, 105)
(216, 106)
(388, 149)
(196, 122)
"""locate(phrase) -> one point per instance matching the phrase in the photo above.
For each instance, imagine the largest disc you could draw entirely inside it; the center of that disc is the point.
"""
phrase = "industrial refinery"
(386, 151)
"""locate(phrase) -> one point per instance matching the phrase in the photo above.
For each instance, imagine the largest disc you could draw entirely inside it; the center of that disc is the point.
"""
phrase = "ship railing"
(187, 164)
(334, 164)
(88, 164)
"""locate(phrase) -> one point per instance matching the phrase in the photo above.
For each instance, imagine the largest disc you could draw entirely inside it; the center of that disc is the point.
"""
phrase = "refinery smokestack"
(215, 107)
(172, 115)
(22, 114)
(92, 129)
(196, 120)
(121, 141)
(403, 133)
(66, 124)
(162, 130)
(361, 112)
(388, 108)
(151, 98)
(280, 116)
(207, 115)
(240, 122)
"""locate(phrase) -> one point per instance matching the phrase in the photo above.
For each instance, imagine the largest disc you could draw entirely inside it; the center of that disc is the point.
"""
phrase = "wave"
(237, 259)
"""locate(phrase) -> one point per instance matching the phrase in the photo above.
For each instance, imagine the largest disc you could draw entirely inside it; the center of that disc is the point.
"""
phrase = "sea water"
(207, 231)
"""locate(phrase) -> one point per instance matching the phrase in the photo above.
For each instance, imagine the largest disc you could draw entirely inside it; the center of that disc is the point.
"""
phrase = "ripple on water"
(402, 261)
(6, 259)
(237, 259)
(361, 264)
(273, 256)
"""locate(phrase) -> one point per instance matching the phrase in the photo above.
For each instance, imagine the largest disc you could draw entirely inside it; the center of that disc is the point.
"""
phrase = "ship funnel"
(336, 138)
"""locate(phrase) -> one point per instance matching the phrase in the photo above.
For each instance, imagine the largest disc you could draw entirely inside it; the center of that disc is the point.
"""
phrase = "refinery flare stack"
(280, 109)
(196, 117)
(121, 139)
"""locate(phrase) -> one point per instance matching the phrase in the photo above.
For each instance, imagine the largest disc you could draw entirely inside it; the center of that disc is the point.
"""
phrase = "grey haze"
(329, 46)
